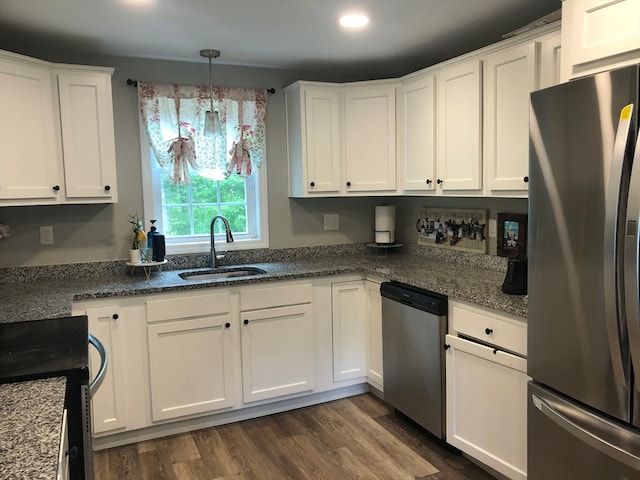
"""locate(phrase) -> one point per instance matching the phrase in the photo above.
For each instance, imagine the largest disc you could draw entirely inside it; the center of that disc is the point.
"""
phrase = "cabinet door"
(601, 28)
(459, 114)
(191, 366)
(86, 114)
(370, 139)
(550, 59)
(323, 144)
(28, 130)
(349, 331)
(487, 405)
(511, 75)
(277, 352)
(418, 160)
(374, 334)
(109, 403)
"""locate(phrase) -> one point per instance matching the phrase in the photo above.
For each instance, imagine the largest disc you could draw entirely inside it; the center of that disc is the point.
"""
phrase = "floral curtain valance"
(174, 117)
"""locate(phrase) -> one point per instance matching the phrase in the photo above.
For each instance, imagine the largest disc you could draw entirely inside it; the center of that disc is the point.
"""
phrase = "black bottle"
(158, 247)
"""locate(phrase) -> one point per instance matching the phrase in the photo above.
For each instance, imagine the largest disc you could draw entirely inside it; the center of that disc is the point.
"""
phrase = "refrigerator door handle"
(611, 228)
(572, 426)
(631, 265)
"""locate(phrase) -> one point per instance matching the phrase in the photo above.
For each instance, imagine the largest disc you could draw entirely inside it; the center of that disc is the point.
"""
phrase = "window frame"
(152, 208)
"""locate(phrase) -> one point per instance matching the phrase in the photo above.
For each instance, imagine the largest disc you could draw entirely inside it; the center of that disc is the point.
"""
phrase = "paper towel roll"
(385, 229)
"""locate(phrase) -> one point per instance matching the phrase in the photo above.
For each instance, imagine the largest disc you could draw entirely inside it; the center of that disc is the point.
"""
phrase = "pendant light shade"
(212, 123)
(211, 119)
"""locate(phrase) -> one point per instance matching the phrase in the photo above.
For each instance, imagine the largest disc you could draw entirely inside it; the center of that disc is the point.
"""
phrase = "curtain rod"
(134, 83)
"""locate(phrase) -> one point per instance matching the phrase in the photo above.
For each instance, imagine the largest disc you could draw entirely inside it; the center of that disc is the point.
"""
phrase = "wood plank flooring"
(359, 437)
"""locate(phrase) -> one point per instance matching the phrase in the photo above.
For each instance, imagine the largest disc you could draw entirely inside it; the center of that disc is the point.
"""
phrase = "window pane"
(202, 216)
(176, 220)
(173, 194)
(237, 216)
(203, 189)
(232, 190)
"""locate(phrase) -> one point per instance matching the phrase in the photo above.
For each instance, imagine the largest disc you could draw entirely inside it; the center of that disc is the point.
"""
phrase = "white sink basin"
(222, 273)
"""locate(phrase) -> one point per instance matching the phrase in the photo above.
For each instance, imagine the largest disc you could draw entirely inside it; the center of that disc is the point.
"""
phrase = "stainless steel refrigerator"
(584, 308)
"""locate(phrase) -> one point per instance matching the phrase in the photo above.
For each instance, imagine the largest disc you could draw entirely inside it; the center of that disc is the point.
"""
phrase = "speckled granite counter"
(30, 423)
(469, 280)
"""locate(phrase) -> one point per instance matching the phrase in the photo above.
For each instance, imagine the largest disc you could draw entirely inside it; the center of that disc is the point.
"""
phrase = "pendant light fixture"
(211, 119)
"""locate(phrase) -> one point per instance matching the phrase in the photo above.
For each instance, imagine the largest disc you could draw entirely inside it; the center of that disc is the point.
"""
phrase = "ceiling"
(402, 36)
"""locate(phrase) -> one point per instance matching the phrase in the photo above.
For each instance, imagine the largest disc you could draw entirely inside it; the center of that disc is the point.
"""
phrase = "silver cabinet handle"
(95, 384)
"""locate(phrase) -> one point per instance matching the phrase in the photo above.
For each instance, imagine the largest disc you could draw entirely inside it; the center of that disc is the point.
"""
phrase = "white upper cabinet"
(417, 165)
(550, 59)
(510, 76)
(459, 117)
(599, 35)
(341, 139)
(459, 128)
(88, 143)
(315, 144)
(56, 122)
(28, 129)
(370, 138)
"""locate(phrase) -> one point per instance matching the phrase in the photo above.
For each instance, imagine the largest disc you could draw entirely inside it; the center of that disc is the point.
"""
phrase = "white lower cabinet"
(190, 362)
(277, 341)
(191, 355)
(373, 323)
(487, 388)
(349, 330)
(277, 352)
(109, 403)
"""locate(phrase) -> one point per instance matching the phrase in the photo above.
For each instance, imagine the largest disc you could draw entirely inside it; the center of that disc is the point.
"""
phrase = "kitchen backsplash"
(241, 257)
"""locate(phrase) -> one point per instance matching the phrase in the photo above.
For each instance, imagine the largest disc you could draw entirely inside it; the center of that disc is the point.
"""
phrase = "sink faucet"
(227, 229)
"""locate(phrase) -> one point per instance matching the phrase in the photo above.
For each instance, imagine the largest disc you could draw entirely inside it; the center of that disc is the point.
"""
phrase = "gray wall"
(101, 232)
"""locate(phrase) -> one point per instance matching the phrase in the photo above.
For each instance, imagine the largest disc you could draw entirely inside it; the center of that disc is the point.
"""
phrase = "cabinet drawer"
(176, 307)
(269, 297)
(490, 328)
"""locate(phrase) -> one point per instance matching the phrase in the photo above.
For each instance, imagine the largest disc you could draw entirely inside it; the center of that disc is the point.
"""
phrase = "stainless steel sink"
(214, 274)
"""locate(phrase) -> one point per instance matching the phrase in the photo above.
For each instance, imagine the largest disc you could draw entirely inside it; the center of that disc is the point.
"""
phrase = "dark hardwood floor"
(354, 438)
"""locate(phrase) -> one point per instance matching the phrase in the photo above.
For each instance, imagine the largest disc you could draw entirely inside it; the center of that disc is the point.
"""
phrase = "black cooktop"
(44, 348)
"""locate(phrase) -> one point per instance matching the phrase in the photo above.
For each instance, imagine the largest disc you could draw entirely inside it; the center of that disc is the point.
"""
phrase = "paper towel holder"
(390, 233)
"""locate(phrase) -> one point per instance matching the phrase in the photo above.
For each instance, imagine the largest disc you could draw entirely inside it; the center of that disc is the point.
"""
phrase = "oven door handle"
(95, 384)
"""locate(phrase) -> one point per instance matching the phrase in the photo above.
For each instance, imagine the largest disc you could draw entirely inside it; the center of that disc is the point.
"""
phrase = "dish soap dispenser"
(150, 235)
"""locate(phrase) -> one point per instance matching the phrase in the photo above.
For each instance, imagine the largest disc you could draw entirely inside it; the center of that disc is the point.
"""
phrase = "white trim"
(151, 197)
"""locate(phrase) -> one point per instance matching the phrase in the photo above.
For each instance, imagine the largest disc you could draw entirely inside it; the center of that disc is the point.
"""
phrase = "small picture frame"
(512, 235)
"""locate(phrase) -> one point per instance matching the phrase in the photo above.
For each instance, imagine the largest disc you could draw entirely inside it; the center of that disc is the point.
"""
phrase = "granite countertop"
(31, 300)
(30, 428)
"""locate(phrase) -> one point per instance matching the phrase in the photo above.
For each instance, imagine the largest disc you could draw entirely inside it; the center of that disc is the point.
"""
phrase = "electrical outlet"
(46, 235)
(331, 221)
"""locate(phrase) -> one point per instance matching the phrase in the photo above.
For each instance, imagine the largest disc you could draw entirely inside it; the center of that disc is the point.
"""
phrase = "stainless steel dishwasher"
(414, 323)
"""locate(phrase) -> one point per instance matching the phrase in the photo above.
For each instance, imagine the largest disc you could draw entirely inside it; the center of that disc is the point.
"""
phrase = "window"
(184, 212)
(171, 127)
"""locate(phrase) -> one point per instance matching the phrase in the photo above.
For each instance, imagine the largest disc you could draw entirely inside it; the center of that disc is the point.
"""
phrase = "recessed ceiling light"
(354, 20)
